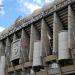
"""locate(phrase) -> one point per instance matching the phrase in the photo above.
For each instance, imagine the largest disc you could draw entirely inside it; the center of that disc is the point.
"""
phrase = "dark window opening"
(66, 62)
(15, 62)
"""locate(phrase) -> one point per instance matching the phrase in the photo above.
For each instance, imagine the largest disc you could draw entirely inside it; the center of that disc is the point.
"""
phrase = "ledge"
(19, 67)
(68, 68)
(50, 58)
(10, 69)
(42, 73)
(27, 64)
(73, 51)
(64, 69)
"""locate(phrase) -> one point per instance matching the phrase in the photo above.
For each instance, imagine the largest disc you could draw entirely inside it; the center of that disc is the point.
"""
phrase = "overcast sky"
(11, 9)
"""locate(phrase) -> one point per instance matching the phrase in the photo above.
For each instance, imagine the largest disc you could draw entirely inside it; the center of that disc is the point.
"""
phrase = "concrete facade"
(42, 25)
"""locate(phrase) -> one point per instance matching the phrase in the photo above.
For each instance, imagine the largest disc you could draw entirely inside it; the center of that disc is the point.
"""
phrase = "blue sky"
(12, 9)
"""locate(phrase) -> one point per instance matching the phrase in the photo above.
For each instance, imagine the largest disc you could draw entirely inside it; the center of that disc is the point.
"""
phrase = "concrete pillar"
(24, 46)
(7, 51)
(2, 65)
(57, 26)
(2, 49)
(44, 38)
(71, 31)
(33, 37)
(7, 54)
(2, 54)
(71, 28)
(14, 37)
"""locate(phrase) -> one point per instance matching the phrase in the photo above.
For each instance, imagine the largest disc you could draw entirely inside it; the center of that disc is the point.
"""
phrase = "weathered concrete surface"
(45, 31)
(33, 37)
(2, 48)
(71, 28)
(24, 46)
(8, 51)
(2, 65)
(14, 37)
(57, 27)
(71, 32)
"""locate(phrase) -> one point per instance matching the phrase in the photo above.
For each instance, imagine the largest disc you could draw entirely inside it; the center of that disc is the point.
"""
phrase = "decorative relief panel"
(15, 50)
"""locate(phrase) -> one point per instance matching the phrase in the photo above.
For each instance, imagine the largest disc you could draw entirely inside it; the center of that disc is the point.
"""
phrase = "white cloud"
(1, 2)
(27, 6)
(48, 1)
(2, 12)
(1, 29)
(38, 1)
(31, 6)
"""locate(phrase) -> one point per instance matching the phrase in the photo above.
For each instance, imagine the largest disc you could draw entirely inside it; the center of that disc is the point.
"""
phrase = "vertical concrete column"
(2, 61)
(45, 31)
(14, 37)
(2, 49)
(7, 51)
(57, 26)
(71, 28)
(7, 54)
(24, 46)
(71, 31)
(33, 37)
(2, 65)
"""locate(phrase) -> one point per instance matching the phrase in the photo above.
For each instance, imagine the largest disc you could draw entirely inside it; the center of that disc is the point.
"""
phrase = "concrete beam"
(45, 41)
(24, 46)
(57, 27)
(14, 37)
(8, 51)
(69, 68)
(71, 28)
(2, 49)
(50, 58)
(71, 31)
(33, 37)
